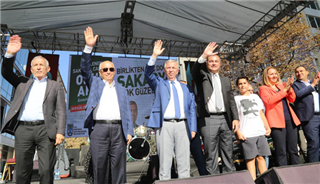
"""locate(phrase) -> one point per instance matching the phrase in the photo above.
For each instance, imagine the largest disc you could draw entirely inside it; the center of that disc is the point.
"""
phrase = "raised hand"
(90, 39)
(209, 50)
(316, 79)
(157, 49)
(14, 44)
(291, 80)
(289, 83)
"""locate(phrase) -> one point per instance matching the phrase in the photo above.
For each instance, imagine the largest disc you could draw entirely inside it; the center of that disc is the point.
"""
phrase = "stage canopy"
(130, 27)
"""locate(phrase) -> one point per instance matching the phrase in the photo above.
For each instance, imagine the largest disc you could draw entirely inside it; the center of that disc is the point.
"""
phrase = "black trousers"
(285, 141)
(108, 149)
(27, 139)
(311, 130)
(198, 156)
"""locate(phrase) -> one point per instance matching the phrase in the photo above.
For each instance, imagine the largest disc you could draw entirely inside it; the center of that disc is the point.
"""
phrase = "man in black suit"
(307, 110)
(216, 110)
(37, 116)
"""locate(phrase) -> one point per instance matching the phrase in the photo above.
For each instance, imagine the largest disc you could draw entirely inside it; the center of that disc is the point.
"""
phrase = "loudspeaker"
(242, 177)
(306, 173)
(73, 155)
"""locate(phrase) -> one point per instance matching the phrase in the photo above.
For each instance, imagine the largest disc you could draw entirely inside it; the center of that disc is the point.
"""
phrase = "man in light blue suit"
(173, 115)
(108, 113)
(308, 110)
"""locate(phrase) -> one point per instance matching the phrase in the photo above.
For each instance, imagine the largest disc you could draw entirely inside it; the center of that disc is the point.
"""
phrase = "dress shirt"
(87, 49)
(170, 111)
(31, 109)
(315, 95)
(212, 104)
(108, 107)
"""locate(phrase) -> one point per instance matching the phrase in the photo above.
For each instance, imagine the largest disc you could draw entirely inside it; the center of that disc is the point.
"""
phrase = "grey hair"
(170, 60)
(47, 62)
(103, 62)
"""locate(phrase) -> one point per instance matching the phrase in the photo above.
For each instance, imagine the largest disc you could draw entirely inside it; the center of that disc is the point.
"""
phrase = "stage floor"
(133, 173)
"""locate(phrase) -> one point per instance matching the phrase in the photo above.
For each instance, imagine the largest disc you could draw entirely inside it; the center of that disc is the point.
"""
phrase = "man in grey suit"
(216, 110)
(108, 113)
(37, 116)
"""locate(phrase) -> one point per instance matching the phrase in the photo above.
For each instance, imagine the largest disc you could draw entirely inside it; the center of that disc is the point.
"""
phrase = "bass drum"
(138, 149)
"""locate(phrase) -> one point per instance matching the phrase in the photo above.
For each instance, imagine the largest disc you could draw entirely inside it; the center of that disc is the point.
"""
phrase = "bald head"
(107, 71)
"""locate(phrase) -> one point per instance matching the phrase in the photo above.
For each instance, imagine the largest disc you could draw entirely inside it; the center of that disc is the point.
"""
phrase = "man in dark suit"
(37, 116)
(307, 110)
(173, 115)
(216, 110)
(108, 113)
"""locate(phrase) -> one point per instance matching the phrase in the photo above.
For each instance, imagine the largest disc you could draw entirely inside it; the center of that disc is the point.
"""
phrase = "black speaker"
(73, 155)
(238, 177)
(306, 173)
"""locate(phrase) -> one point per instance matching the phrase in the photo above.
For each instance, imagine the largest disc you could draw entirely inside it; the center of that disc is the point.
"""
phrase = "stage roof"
(131, 27)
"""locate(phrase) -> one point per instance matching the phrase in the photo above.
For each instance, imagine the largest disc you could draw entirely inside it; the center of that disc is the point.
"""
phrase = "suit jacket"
(161, 87)
(273, 103)
(203, 80)
(304, 104)
(54, 105)
(97, 85)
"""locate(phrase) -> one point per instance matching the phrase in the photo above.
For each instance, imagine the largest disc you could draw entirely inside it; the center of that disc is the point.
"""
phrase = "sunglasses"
(106, 69)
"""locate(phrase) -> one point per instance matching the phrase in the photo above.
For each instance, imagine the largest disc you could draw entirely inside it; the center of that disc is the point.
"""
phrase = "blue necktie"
(176, 100)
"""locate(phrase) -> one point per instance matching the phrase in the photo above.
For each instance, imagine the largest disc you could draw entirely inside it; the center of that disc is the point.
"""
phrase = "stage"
(133, 173)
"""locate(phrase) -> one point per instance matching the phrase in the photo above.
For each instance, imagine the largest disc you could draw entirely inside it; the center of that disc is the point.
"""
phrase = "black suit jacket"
(304, 104)
(203, 80)
(54, 106)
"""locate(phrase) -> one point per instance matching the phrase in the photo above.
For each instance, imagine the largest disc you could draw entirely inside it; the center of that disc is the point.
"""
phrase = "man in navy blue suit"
(307, 110)
(108, 112)
(173, 115)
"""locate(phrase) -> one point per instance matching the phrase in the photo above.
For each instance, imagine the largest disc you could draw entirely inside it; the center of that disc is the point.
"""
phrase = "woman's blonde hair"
(266, 78)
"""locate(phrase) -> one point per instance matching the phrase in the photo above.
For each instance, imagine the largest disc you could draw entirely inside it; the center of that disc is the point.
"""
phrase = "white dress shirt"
(315, 95)
(31, 108)
(170, 111)
(212, 104)
(108, 107)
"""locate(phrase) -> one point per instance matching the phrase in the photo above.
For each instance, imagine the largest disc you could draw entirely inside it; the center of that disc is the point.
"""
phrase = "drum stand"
(147, 160)
(143, 168)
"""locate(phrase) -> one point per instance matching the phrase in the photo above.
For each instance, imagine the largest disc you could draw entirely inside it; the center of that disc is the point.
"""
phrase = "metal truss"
(280, 14)
(127, 44)
(51, 40)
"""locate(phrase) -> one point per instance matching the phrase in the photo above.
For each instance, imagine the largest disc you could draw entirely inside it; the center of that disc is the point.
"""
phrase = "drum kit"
(142, 145)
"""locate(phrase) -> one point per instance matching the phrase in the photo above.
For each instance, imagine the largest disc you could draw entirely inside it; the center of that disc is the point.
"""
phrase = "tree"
(291, 45)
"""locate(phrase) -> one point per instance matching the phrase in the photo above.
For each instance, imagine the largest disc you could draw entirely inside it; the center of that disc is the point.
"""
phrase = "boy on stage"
(253, 128)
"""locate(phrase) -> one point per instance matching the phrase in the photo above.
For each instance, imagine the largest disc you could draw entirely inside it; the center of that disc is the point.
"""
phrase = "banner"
(129, 72)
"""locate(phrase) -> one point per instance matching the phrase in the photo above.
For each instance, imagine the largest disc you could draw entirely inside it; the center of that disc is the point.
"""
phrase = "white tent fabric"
(197, 21)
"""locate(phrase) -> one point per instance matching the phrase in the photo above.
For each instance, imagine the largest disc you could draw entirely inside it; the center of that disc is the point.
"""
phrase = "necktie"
(176, 100)
(217, 92)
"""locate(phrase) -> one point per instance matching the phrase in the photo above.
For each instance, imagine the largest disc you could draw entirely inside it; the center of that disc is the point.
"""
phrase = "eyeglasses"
(106, 69)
